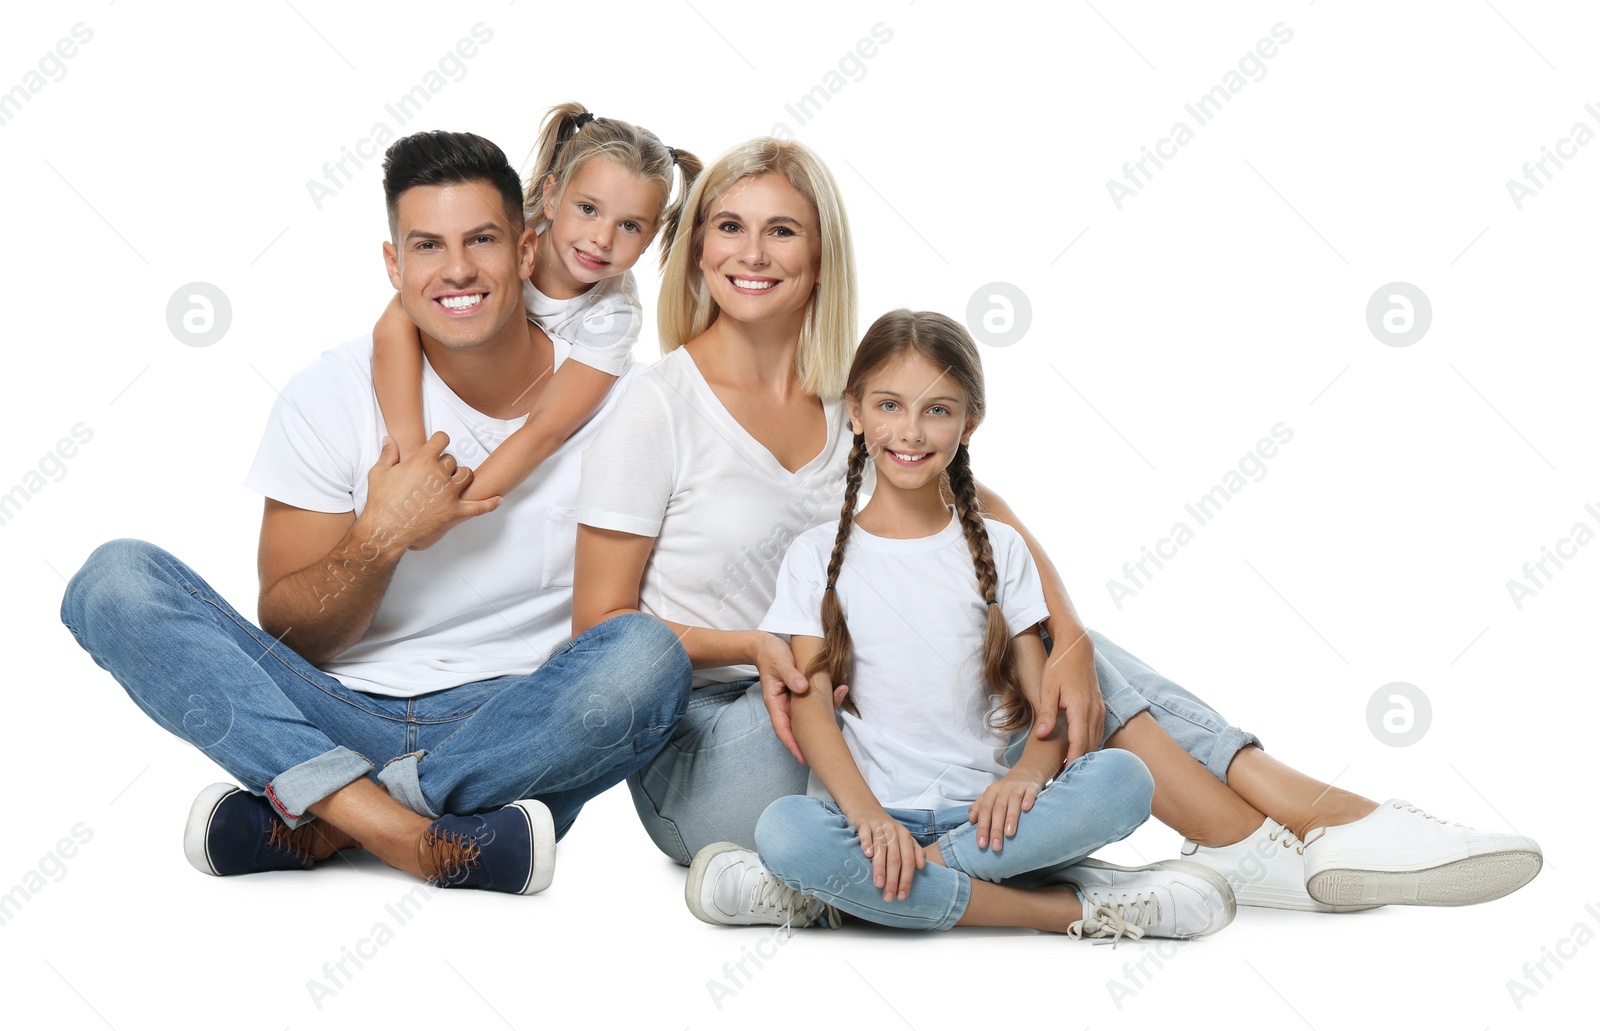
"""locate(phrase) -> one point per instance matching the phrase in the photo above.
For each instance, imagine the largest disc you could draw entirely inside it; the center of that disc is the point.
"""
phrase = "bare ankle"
(330, 839)
(1334, 809)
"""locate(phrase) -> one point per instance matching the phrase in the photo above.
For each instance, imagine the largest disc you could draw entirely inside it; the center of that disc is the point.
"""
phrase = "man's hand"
(1070, 689)
(415, 502)
(323, 575)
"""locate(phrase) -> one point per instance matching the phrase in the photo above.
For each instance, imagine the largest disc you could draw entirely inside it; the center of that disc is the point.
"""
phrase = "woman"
(736, 442)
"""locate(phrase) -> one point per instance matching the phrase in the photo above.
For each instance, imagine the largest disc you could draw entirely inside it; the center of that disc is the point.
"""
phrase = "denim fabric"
(1102, 797)
(601, 707)
(723, 766)
(1130, 687)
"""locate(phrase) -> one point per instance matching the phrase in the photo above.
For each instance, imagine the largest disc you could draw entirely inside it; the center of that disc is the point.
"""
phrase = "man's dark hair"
(439, 158)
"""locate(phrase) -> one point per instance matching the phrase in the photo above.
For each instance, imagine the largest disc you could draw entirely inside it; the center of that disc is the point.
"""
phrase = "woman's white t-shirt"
(672, 463)
(922, 739)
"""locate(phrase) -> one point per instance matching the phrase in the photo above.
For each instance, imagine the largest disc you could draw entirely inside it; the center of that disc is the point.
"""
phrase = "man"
(448, 666)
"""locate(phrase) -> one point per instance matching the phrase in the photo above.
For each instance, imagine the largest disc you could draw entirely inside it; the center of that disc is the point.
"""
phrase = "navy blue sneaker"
(512, 849)
(230, 831)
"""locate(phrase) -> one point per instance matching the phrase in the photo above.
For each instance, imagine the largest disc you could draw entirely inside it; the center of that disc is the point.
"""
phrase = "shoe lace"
(1115, 921)
(298, 842)
(1408, 807)
(449, 854)
(776, 898)
(1290, 840)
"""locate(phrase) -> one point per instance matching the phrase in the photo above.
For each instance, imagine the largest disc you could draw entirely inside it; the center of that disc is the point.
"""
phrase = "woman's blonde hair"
(827, 339)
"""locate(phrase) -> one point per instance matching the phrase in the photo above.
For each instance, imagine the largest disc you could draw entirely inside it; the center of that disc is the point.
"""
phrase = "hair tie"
(829, 588)
(582, 120)
(993, 602)
(672, 152)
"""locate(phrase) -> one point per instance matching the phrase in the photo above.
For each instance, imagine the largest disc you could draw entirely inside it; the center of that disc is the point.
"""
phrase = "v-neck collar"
(740, 438)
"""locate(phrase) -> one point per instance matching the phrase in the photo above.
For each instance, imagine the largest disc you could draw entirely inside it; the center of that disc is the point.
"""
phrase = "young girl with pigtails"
(600, 191)
(930, 613)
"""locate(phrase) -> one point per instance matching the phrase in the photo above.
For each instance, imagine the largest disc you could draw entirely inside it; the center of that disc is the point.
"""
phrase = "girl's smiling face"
(914, 415)
(599, 226)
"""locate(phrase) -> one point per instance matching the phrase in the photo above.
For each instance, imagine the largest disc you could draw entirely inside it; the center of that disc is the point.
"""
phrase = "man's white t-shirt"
(674, 464)
(602, 323)
(494, 596)
(922, 739)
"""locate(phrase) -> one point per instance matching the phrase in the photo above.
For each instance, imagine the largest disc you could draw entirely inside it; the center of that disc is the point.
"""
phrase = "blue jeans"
(725, 764)
(601, 707)
(1130, 687)
(1102, 797)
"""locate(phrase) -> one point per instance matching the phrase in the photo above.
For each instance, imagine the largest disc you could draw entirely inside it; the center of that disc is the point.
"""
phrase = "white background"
(1226, 296)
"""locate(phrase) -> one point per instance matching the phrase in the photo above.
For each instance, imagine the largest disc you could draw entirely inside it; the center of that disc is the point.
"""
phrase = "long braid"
(836, 654)
(999, 663)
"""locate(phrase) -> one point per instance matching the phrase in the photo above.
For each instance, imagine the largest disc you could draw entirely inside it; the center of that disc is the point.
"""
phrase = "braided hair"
(942, 341)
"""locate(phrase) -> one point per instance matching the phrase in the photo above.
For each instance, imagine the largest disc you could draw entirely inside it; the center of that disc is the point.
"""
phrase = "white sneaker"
(1169, 899)
(728, 885)
(1401, 855)
(1265, 870)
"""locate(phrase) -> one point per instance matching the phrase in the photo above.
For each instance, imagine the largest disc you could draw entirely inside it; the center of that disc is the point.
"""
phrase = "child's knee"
(785, 826)
(1121, 776)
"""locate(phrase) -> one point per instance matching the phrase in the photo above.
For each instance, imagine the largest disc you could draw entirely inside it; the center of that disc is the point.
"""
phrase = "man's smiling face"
(458, 262)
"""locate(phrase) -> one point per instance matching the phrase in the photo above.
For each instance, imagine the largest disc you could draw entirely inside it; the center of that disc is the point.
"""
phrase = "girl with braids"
(943, 667)
(737, 442)
(600, 191)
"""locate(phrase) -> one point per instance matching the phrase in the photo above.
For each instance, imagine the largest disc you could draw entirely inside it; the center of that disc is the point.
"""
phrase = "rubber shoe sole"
(694, 887)
(1463, 882)
(542, 828)
(1230, 907)
(197, 832)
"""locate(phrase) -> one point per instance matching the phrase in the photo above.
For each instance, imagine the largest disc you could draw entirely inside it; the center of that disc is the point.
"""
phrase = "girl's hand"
(780, 677)
(1000, 807)
(895, 854)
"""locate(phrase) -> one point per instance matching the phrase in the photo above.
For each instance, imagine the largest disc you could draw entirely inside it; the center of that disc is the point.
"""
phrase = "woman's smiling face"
(762, 250)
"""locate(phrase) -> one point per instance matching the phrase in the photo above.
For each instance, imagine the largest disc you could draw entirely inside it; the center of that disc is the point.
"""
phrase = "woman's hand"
(998, 810)
(895, 854)
(1070, 689)
(780, 677)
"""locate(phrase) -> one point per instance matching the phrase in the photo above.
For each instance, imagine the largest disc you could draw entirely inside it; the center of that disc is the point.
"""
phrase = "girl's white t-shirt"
(922, 739)
(602, 323)
(672, 463)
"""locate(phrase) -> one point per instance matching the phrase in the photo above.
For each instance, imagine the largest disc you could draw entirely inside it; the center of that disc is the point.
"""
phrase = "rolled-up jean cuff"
(299, 787)
(1225, 746)
(959, 908)
(1212, 748)
(1122, 706)
(399, 778)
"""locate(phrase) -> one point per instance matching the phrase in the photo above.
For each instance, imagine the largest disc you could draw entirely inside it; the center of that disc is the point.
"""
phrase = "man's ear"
(527, 247)
(391, 261)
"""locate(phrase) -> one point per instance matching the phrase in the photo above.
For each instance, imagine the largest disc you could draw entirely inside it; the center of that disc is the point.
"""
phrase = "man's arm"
(323, 574)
